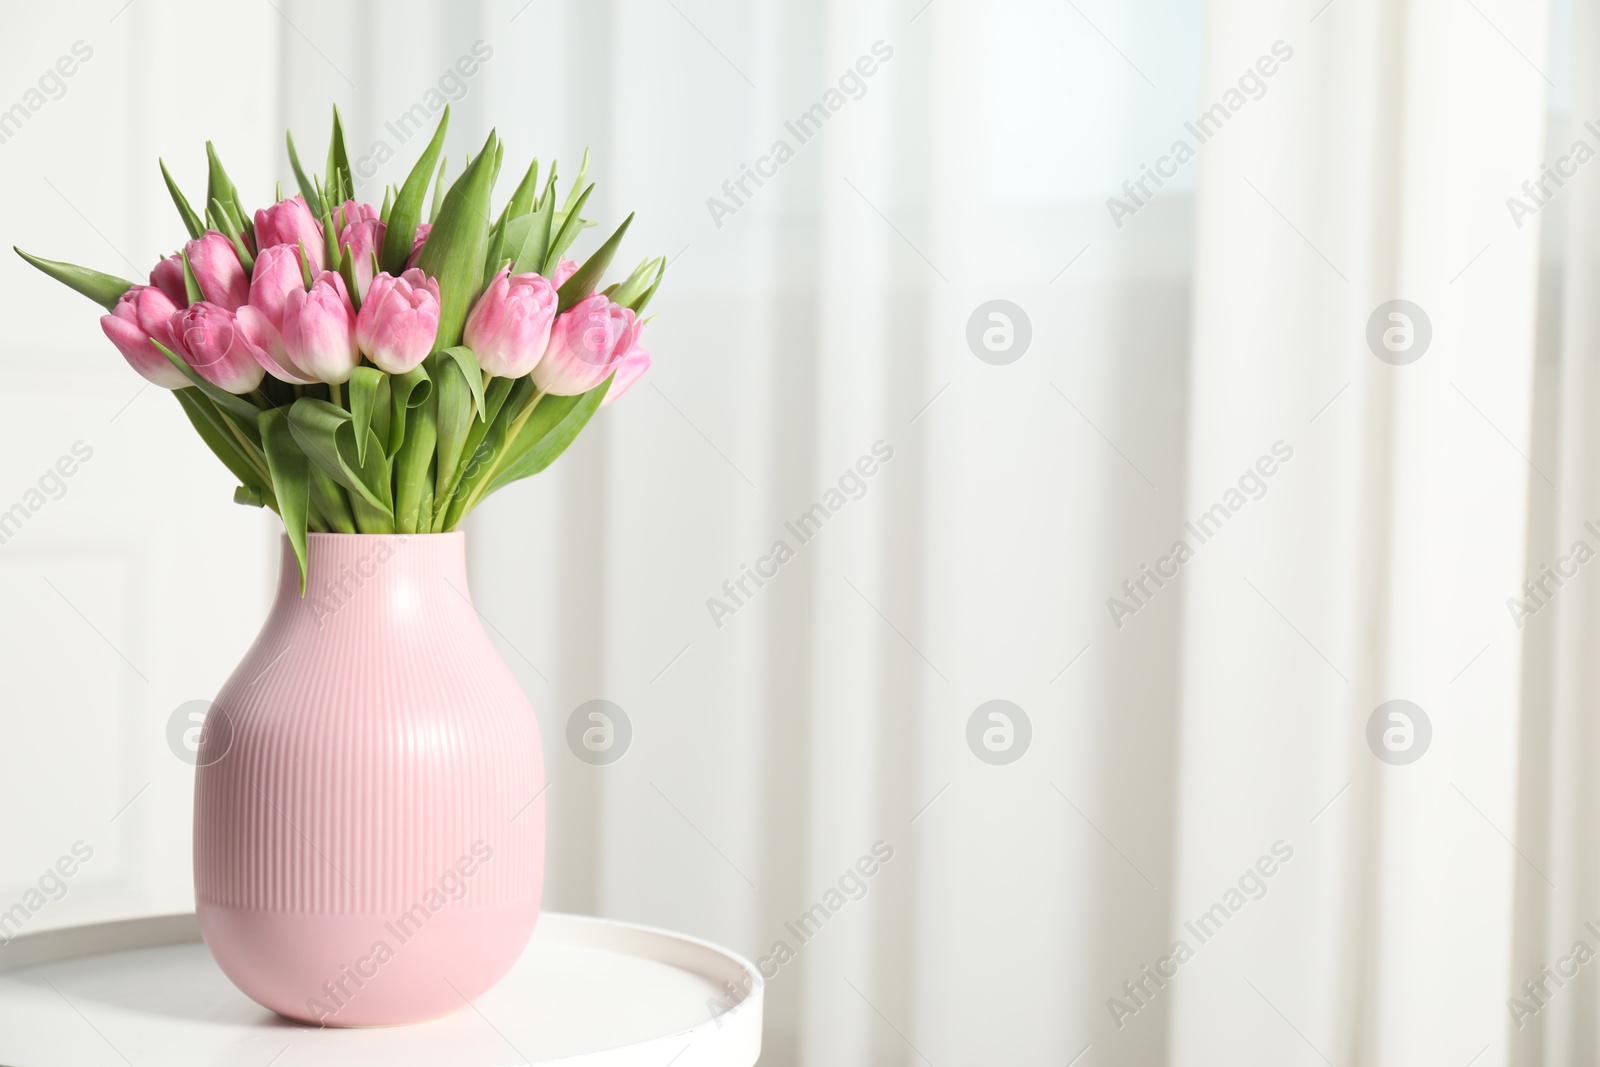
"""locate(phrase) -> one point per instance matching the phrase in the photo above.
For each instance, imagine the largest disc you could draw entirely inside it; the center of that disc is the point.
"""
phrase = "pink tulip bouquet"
(361, 370)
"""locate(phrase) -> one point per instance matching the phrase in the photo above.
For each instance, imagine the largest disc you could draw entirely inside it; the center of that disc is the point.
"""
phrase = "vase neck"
(376, 575)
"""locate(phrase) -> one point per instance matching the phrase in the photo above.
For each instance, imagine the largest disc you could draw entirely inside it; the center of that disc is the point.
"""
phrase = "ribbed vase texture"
(369, 809)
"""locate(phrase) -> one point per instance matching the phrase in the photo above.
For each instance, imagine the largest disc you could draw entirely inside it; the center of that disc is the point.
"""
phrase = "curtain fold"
(1379, 570)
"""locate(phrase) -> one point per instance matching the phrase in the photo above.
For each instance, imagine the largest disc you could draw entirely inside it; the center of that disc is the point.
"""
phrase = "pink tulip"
(565, 269)
(630, 368)
(277, 275)
(319, 330)
(290, 222)
(267, 342)
(216, 267)
(168, 277)
(353, 211)
(416, 246)
(509, 327)
(586, 343)
(142, 313)
(364, 239)
(210, 341)
(399, 321)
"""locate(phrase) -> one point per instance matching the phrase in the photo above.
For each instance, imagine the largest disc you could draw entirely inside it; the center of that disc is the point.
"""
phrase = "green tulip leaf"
(439, 187)
(191, 284)
(220, 187)
(191, 221)
(331, 503)
(326, 434)
(291, 481)
(341, 184)
(406, 214)
(637, 304)
(571, 226)
(237, 408)
(406, 391)
(493, 259)
(330, 232)
(211, 425)
(502, 393)
(347, 271)
(467, 360)
(583, 281)
(414, 478)
(363, 394)
(521, 202)
(457, 244)
(536, 240)
(308, 188)
(103, 289)
(577, 183)
(553, 426)
(220, 219)
(642, 281)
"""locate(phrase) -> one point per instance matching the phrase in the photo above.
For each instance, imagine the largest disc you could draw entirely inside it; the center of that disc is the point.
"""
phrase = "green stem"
(494, 466)
(250, 452)
(334, 395)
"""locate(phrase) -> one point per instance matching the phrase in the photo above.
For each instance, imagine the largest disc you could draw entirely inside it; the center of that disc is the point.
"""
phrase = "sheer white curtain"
(1199, 371)
(1381, 570)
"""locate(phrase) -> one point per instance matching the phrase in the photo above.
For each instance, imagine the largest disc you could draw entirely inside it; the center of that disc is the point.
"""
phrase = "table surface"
(587, 993)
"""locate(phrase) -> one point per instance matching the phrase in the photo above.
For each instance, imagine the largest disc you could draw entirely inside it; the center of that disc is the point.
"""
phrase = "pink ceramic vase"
(369, 811)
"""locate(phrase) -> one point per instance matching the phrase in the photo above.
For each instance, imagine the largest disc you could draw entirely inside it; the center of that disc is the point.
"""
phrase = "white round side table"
(586, 993)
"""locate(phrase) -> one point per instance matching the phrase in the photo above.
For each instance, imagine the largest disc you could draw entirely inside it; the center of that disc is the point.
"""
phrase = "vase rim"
(314, 535)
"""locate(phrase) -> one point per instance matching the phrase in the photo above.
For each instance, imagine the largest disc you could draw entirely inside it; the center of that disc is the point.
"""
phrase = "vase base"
(359, 970)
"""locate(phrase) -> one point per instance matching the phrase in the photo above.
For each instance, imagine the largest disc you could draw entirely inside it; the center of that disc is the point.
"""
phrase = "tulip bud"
(630, 368)
(142, 313)
(319, 330)
(216, 267)
(267, 342)
(353, 211)
(168, 277)
(565, 269)
(509, 327)
(399, 321)
(209, 340)
(364, 238)
(586, 343)
(290, 222)
(423, 230)
(278, 273)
